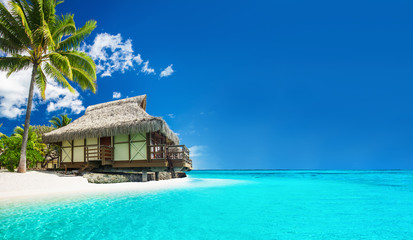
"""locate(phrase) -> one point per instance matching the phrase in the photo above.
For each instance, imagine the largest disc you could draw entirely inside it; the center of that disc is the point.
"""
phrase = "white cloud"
(199, 156)
(112, 54)
(197, 151)
(14, 92)
(170, 115)
(116, 95)
(146, 69)
(62, 98)
(167, 71)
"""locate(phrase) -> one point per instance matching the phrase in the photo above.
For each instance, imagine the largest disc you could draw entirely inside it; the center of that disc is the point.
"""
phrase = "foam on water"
(231, 205)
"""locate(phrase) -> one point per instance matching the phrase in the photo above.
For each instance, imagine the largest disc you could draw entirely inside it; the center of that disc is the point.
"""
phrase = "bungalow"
(120, 136)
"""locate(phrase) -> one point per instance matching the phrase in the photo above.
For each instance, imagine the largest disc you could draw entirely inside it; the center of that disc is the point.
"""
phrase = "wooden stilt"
(144, 176)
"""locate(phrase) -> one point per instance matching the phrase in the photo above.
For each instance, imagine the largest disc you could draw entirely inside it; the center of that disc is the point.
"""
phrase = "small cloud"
(138, 59)
(167, 71)
(170, 115)
(116, 95)
(146, 69)
(197, 151)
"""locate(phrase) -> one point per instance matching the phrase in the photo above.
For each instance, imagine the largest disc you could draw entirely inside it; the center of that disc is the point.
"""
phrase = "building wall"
(126, 148)
(138, 149)
(79, 150)
(51, 165)
(130, 147)
(121, 147)
(66, 151)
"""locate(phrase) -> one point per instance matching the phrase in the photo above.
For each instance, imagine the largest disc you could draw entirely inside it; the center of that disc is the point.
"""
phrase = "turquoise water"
(245, 205)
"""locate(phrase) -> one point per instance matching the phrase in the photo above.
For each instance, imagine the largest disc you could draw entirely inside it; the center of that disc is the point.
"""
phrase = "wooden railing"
(158, 152)
(99, 153)
(176, 153)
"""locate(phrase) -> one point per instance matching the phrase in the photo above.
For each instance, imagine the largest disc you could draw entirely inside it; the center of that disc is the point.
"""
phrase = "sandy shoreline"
(47, 184)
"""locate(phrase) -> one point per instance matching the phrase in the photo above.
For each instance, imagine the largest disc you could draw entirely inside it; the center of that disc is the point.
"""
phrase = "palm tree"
(32, 35)
(32, 135)
(58, 123)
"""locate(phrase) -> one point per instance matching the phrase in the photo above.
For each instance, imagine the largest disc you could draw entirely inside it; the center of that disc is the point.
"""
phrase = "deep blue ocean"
(243, 205)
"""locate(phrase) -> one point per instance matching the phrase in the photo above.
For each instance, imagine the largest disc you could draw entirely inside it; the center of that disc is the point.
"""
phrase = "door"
(105, 141)
(106, 150)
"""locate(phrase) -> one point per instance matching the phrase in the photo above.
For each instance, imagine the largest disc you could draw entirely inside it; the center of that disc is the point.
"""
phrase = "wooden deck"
(100, 153)
(176, 155)
(159, 156)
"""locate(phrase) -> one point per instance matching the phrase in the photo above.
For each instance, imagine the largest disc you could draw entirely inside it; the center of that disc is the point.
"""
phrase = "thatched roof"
(124, 116)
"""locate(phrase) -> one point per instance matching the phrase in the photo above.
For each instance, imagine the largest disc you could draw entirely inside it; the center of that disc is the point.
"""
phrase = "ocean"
(270, 204)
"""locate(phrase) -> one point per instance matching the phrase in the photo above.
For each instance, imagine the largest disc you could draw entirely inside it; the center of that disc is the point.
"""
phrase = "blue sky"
(257, 84)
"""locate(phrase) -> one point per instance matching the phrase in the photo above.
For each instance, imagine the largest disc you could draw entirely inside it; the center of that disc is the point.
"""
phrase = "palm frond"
(49, 9)
(81, 60)
(9, 63)
(60, 122)
(36, 14)
(10, 46)
(18, 131)
(41, 81)
(55, 74)
(23, 64)
(84, 80)
(55, 121)
(18, 11)
(73, 42)
(65, 119)
(43, 37)
(11, 29)
(62, 63)
(64, 25)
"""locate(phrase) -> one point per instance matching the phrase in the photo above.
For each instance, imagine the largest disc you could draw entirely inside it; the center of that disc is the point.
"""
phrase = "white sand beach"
(48, 184)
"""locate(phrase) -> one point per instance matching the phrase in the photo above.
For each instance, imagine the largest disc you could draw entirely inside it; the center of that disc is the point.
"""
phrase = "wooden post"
(73, 142)
(156, 176)
(129, 147)
(148, 148)
(60, 154)
(84, 151)
(144, 176)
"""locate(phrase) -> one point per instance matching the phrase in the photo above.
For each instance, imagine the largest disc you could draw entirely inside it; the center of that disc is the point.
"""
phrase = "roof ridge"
(139, 100)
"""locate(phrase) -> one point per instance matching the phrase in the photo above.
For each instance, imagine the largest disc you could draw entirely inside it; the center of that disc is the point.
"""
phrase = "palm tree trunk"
(22, 163)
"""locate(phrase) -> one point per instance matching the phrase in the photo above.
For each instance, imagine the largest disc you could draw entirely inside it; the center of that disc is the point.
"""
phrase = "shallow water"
(245, 205)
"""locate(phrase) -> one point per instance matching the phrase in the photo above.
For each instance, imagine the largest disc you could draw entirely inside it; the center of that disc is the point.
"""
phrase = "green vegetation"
(33, 36)
(37, 151)
(12, 146)
(60, 122)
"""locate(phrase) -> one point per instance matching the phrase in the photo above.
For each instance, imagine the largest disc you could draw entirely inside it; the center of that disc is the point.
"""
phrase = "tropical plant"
(51, 151)
(12, 148)
(42, 129)
(60, 122)
(32, 35)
